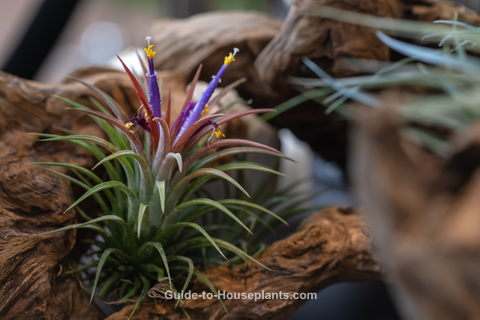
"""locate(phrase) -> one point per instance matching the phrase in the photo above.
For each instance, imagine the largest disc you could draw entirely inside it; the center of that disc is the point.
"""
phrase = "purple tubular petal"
(185, 113)
(141, 121)
(200, 105)
(153, 90)
(144, 124)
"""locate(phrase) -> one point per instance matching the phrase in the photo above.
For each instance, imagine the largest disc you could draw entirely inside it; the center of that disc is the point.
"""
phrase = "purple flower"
(153, 90)
(206, 95)
(183, 115)
(140, 120)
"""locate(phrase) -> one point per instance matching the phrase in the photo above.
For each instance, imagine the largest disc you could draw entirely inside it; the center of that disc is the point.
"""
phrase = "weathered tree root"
(271, 54)
(32, 201)
(330, 246)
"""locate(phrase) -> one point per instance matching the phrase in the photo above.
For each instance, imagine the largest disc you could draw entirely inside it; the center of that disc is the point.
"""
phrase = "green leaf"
(295, 101)
(178, 158)
(126, 153)
(141, 212)
(136, 285)
(79, 170)
(431, 56)
(237, 150)
(109, 282)
(208, 172)
(215, 204)
(71, 102)
(83, 137)
(81, 225)
(69, 178)
(82, 170)
(195, 226)
(190, 270)
(247, 166)
(99, 187)
(161, 251)
(156, 269)
(106, 98)
(352, 93)
(255, 206)
(209, 284)
(114, 134)
(161, 193)
(145, 288)
(144, 167)
(239, 252)
(101, 263)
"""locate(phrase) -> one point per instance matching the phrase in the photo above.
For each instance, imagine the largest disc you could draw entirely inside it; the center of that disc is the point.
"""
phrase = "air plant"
(149, 223)
(449, 76)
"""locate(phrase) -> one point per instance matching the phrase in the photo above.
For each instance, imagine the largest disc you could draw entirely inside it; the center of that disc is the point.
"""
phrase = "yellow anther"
(205, 111)
(229, 59)
(129, 124)
(149, 51)
(219, 133)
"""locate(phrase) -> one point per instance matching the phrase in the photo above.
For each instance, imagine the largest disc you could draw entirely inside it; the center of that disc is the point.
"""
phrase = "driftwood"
(32, 201)
(271, 55)
(206, 38)
(424, 214)
(336, 249)
(331, 246)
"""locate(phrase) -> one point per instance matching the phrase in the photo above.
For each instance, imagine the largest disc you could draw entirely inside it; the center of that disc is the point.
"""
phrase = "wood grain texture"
(31, 202)
(184, 44)
(331, 246)
(271, 53)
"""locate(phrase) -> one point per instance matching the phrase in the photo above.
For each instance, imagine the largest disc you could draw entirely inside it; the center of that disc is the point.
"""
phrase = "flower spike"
(207, 94)
(153, 90)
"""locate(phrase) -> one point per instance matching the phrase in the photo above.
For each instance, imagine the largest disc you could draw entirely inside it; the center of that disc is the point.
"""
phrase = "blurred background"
(45, 40)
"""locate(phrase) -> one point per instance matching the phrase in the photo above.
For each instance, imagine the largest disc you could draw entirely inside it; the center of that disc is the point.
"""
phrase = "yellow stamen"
(205, 111)
(231, 57)
(149, 51)
(129, 124)
(219, 133)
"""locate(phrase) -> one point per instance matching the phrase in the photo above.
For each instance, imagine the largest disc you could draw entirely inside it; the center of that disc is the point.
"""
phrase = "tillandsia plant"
(449, 76)
(152, 225)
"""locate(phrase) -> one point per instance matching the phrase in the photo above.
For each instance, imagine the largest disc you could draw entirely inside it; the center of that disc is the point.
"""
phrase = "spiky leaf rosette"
(449, 76)
(151, 224)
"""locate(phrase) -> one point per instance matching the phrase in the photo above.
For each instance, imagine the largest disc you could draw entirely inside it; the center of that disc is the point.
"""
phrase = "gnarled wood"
(31, 202)
(206, 38)
(331, 246)
(271, 54)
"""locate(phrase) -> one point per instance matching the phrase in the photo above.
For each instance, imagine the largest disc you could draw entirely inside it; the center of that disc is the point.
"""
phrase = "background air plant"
(449, 77)
(157, 222)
